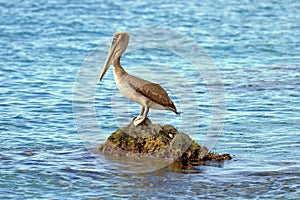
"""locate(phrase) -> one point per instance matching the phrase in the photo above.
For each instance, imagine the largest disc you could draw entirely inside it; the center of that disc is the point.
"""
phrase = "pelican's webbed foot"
(138, 120)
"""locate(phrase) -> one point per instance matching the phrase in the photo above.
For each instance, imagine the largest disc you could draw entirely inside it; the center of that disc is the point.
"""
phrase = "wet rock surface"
(157, 141)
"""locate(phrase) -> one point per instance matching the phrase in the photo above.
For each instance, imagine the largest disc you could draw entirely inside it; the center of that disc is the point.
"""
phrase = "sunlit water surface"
(255, 47)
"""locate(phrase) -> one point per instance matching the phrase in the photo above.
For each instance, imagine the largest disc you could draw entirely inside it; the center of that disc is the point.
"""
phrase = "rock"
(157, 141)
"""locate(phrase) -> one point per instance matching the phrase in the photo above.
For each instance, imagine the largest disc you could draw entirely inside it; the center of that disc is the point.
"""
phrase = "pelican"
(147, 94)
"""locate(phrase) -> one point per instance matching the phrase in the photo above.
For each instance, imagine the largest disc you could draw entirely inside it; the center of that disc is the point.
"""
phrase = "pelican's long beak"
(109, 59)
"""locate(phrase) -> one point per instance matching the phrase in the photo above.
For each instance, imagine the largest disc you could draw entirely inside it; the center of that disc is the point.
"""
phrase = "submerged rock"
(157, 141)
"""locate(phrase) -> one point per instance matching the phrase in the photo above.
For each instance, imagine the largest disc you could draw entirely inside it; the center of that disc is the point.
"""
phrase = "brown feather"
(152, 91)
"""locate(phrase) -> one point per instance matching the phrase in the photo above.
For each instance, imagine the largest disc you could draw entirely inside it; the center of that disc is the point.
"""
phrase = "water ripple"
(254, 46)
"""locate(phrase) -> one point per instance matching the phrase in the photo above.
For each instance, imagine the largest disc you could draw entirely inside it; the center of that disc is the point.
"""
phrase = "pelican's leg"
(140, 116)
(142, 111)
(140, 119)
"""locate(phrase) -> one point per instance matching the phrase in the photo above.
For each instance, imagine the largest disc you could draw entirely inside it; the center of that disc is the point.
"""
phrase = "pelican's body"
(147, 94)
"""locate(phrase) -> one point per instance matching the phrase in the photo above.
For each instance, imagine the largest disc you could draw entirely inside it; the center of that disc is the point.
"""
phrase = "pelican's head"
(118, 46)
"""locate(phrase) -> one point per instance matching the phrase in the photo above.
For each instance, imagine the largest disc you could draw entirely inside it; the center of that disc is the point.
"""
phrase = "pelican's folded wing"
(152, 91)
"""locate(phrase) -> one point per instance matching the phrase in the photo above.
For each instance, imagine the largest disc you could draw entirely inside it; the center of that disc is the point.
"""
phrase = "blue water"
(255, 47)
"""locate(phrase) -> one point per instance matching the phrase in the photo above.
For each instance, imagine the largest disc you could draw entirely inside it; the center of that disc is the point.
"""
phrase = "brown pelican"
(147, 94)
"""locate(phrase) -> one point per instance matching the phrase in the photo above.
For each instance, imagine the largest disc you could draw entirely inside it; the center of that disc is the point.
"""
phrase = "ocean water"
(53, 51)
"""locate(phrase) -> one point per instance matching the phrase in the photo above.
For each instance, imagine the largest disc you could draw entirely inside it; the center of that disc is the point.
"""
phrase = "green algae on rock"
(157, 141)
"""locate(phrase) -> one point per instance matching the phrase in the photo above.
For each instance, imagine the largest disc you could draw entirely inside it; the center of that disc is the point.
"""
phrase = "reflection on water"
(254, 46)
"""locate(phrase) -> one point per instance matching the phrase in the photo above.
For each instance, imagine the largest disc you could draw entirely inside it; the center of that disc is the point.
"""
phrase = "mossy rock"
(157, 141)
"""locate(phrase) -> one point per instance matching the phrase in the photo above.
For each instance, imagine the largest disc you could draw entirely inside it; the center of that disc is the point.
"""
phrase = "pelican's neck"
(118, 69)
